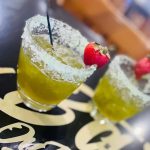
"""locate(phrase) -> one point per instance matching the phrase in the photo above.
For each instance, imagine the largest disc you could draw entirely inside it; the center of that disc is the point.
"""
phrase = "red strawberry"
(142, 67)
(96, 54)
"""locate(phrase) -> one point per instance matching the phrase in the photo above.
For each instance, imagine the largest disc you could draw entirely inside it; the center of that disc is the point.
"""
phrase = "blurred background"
(125, 24)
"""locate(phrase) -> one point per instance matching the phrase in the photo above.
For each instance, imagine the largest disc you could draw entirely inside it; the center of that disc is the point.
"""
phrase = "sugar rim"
(118, 77)
(59, 70)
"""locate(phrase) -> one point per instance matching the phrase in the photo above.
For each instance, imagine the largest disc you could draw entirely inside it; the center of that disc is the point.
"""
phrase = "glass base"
(33, 104)
(96, 115)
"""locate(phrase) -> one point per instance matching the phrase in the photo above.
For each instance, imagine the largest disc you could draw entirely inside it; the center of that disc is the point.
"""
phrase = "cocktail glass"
(119, 95)
(46, 75)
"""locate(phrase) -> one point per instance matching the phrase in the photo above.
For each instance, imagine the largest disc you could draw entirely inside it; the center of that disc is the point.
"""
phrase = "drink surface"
(118, 95)
(61, 53)
(40, 85)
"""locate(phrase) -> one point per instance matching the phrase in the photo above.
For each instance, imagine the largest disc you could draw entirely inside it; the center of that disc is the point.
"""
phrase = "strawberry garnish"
(95, 54)
(142, 67)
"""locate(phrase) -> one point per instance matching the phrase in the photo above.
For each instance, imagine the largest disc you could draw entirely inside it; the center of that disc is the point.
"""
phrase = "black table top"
(69, 126)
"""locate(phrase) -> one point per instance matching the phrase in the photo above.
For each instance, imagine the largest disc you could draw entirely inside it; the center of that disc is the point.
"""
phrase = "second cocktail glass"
(119, 95)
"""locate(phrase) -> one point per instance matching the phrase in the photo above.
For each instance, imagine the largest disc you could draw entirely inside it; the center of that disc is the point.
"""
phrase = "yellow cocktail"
(48, 75)
(118, 95)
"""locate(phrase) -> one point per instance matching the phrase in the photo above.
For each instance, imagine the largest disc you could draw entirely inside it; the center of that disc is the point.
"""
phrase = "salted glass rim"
(67, 35)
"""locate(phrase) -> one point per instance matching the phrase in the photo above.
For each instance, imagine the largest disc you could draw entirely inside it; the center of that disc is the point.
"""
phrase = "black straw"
(49, 29)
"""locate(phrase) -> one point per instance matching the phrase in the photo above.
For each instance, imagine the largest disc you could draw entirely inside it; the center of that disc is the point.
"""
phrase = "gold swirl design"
(90, 130)
(7, 70)
(27, 140)
(9, 106)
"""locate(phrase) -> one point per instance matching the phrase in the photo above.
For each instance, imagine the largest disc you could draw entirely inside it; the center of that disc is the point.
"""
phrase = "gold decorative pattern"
(9, 106)
(7, 70)
(115, 140)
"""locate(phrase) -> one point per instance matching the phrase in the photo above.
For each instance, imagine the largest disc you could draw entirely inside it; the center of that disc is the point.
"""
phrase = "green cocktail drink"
(119, 95)
(48, 75)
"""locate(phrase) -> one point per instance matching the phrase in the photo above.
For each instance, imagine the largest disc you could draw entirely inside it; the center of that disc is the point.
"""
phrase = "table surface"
(69, 126)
